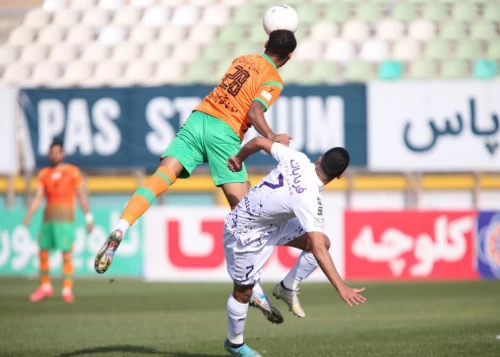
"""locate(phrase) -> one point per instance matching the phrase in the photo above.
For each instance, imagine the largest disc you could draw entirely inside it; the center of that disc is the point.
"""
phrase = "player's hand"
(90, 227)
(234, 164)
(282, 139)
(27, 221)
(352, 296)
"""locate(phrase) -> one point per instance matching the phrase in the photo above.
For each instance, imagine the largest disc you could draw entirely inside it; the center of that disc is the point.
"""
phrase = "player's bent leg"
(260, 301)
(237, 308)
(166, 174)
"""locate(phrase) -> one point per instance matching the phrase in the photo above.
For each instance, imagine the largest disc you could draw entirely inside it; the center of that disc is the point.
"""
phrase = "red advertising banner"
(406, 245)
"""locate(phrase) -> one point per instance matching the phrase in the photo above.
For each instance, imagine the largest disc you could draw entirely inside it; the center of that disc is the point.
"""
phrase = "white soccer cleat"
(270, 311)
(290, 298)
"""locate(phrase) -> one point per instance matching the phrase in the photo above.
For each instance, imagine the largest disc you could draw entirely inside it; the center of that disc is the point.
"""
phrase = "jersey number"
(233, 82)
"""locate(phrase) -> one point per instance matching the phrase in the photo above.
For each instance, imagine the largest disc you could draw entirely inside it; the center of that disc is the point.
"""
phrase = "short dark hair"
(335, 162)
(281, 43)
(57, 142)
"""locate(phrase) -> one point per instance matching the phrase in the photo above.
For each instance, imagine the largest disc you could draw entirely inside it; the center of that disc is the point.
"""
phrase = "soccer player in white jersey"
(283, 209)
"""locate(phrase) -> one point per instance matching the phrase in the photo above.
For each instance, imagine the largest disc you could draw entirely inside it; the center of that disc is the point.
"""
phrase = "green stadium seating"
(390, 70)
(483, 30)
(454, 69)
(322, 72)
(422, 69)
(359, 71)
(232, 34)
(247, 48)
(453, 30)
(485, 69)
(215, 52)
(293, 72)
(494, 50)
(338, 12)
(468, 49)
(307, 13)
(247, 15)
(404, 12)
(465, 11)
(491, 12)
(369, 12)
(437, 49)
(435, 12)
(201, 72)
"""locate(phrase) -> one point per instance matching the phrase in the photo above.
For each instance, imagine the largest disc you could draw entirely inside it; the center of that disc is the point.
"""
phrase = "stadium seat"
(142, 3)
(95, 52)
(216, 52)
(107, 73)
(369, 12)
(485, 69)
(338, 12)
(80, 35)
(438, 49)
(422, 69)
(406, 50)
(356, 31)
(465, 11)
(453, 30)
(63, 53)
(111, 35)
(235, 3)
(435, 12)
(186, 52)
(308, 50)
(45, 74)
(127, 16)
(95, 17)
(66, 18)
(245, 15)
(136, 71)
(156, 16)
(16, 73)
(167, 72)
(293, 72)
(201, 2)
(8, 54)
(76, 73)
(21, 36)
(491, 11)
(185, 15)
(33, 53)
(483, 30)
(324, 31)
(454, 69)
(323, 72)
(390, 29)
(216, 15)
(83, 4)
(468, 49)
(201, 72)
(142, 34)
(359, 71)
(155, 52)
(422, 30)
(54, 5)
(308, 13)
(390, 70)
(171, 34)
(494, 50)
(248, 48)
(125, 52)
(232, 34)
(51, 35)
(404, 12)
(111, 4)
(340, 50)
(202, 34)
(171, 3)
(37, 18)
(374, 50)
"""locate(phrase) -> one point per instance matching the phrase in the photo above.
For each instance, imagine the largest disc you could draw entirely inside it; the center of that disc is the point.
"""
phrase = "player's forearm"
(84, 202)
(260, 124)
(33, 207)
(327, 266)
(250, 148)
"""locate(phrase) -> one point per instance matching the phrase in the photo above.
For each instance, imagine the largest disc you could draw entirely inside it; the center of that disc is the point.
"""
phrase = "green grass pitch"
(131, 318)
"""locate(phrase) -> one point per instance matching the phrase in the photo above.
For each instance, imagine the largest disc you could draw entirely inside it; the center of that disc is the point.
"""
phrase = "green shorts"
(204, 138)
(57, 236)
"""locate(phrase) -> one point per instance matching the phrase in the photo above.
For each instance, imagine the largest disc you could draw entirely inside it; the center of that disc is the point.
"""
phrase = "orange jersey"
(60, 186)
(250, 78)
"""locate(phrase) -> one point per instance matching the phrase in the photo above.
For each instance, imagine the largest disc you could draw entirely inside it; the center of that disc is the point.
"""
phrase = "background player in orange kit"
(60, 183)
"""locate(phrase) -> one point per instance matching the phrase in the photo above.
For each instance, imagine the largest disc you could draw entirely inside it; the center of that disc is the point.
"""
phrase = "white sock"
(304, 267)
(66, 291)
(257, 288)
(236, 318)
(122, 226)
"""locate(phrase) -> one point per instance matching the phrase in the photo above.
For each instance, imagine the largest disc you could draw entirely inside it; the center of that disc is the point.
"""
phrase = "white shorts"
(245, 263)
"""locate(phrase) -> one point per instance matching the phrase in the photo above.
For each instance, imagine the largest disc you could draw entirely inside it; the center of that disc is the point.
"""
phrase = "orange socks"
(144, 197)
(44, 267)
(68, 271)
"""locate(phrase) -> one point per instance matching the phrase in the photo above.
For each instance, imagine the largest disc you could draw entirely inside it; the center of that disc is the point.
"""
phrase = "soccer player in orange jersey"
(60, 183)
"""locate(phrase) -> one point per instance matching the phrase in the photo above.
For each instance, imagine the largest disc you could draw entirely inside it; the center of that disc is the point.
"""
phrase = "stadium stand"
(350, 40)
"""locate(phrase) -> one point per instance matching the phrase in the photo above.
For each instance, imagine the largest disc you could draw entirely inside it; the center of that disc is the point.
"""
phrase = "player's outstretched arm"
(35, 204)
(255, 145)
(319, 247)
(256, 115)
(84, 203)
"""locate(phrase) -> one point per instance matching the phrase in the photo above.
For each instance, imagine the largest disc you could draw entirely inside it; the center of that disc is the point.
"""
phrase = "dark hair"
(57, 142)
(335, 162)
(281, 43)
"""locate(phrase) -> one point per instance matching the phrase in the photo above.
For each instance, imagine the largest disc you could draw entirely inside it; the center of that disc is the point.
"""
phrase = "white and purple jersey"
(291, 190)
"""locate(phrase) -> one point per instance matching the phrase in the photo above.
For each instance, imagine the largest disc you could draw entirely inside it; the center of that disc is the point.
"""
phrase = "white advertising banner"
(185, 244)
(434, 126)
(8, 104)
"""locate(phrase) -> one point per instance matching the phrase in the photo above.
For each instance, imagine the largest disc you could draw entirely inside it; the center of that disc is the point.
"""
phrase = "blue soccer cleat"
(270, 311)
(242, 351)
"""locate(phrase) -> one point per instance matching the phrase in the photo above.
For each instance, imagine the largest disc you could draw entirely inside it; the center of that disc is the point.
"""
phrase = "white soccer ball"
(280, 17)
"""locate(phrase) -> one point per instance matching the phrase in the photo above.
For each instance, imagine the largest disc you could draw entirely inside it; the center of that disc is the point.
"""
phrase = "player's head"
(56, 152)
(280, 46)
(333, 163)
